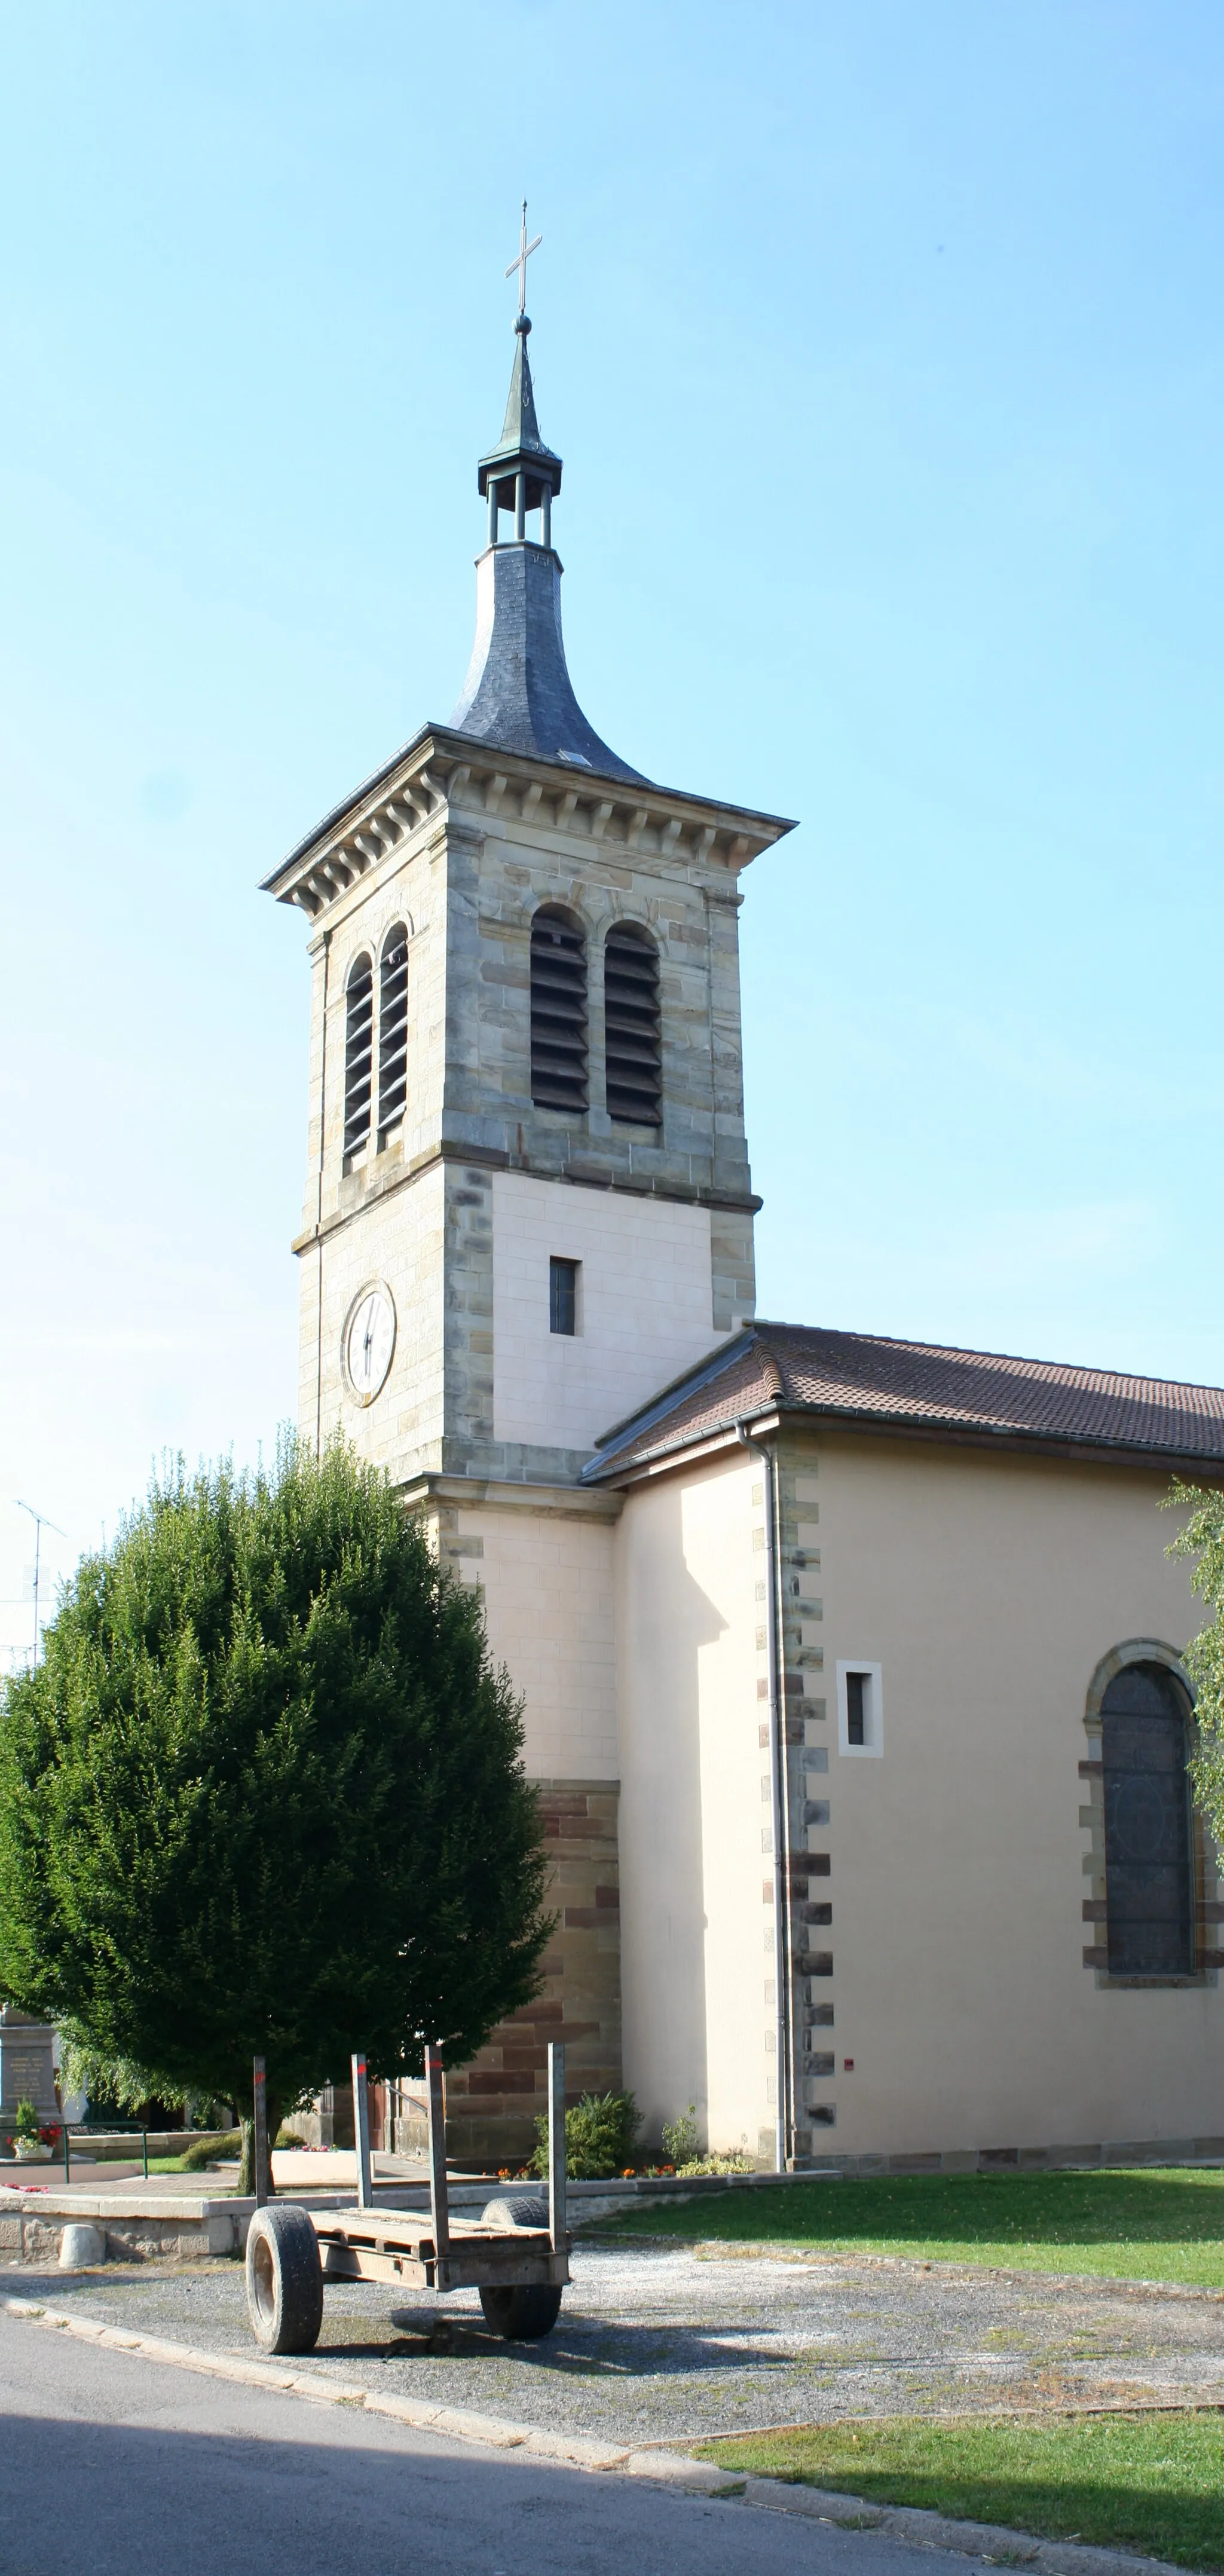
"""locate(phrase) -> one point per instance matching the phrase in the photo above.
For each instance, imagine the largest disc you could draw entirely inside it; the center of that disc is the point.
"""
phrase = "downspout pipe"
(767, 1453)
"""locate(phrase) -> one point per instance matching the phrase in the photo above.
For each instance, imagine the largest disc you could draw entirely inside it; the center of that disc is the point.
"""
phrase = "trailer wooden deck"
(394, 2245)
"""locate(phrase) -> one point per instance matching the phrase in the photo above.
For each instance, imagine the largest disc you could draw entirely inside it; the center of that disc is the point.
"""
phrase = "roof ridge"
(922, 1388)
(1078, 1369)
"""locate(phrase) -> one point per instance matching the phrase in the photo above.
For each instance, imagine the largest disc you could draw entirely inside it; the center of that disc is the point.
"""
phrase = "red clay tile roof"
(919, 1387)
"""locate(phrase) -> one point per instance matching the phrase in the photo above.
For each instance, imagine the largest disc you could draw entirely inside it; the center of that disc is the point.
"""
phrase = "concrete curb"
(910, 2523)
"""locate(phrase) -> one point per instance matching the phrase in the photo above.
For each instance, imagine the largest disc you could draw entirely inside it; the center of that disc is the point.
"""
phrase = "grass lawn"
(1147, 2482)
(1147, 2223)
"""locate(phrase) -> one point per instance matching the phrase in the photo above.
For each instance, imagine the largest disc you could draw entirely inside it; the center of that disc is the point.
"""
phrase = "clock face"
(369, 1343)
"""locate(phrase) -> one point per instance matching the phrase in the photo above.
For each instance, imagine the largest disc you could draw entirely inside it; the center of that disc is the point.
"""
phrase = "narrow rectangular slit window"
(562, 1296)
(860, 1708)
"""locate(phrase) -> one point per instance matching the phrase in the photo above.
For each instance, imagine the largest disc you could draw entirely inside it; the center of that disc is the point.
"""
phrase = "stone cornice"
(442, 777)
(494, 1158)
(493, 1493)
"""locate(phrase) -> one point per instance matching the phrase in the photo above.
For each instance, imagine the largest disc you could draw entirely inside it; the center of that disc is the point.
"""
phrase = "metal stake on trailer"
(439, 2204)
(556, 2145)
(261, 2133)
(361, 2131)
(439, 2197)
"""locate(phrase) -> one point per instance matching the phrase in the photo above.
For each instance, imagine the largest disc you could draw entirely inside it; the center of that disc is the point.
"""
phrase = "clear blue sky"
(884, 349)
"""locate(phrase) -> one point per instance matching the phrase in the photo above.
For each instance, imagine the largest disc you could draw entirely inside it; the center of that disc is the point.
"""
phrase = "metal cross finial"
(525, 250)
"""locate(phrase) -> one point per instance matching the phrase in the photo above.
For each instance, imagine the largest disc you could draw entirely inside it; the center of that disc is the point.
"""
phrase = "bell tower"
(528, 1203)
(525, 1052)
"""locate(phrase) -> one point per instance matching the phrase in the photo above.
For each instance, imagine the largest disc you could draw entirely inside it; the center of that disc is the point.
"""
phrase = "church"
(851, 1667)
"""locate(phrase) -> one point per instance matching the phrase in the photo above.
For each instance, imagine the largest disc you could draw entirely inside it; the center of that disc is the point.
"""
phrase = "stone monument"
(27, 2069)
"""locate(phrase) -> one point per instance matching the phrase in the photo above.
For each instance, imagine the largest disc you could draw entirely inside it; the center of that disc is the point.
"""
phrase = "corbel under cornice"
(442, 775)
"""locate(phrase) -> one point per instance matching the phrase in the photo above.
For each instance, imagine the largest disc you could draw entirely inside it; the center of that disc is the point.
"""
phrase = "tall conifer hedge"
(264, 1794)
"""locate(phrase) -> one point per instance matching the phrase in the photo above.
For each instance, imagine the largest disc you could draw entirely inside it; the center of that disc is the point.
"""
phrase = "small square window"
(562, 1295)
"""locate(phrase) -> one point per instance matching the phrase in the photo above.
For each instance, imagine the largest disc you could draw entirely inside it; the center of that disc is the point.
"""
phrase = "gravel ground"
(659, 2342)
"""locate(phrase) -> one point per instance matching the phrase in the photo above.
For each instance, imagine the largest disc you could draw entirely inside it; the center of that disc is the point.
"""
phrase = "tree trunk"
(246, 2170)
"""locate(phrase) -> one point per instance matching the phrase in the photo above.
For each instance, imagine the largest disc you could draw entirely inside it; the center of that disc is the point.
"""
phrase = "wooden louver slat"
(558, 1012)
(633, 1027)
(393, 1032)
(358, 1054)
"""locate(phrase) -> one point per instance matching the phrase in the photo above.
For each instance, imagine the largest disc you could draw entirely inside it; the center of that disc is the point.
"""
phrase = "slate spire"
(518, 693)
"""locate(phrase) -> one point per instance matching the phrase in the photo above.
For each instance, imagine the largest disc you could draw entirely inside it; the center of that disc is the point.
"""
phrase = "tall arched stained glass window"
(358, 1053)
(1149, 1854)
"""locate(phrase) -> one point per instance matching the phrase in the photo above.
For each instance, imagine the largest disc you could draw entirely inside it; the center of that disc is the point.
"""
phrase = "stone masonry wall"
(492, 2105)
(465, 886)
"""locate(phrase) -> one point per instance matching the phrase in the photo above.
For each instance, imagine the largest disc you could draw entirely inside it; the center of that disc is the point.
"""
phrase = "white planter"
(31, 2151)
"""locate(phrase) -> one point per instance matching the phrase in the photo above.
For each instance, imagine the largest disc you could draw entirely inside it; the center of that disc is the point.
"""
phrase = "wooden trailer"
(516, 2254)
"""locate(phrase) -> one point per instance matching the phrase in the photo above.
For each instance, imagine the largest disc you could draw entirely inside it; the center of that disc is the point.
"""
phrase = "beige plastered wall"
(988, 1588)
(546, 1577)
(645, 1306)
(696, 1971)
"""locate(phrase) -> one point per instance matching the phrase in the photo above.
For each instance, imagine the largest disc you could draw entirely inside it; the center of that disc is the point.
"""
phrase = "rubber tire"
(284, 2280)
(516, 2209)
(522, 2315)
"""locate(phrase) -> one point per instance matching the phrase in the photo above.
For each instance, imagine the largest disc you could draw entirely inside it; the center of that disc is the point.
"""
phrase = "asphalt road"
(121, 2465)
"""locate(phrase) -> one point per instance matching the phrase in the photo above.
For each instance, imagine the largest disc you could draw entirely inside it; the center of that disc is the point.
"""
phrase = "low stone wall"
(143, 2226)
(135, 2230)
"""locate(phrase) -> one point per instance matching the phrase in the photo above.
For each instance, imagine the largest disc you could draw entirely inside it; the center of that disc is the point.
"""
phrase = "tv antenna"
(41, 1523)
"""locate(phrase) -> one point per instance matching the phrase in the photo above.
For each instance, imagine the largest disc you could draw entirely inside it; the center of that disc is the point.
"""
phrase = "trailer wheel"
(284, 2280)
(516, 2209)
(522, 2315)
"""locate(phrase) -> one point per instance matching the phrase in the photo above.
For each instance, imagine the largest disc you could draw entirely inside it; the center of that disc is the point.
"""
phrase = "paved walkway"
(659, 2344)
(125, 2467)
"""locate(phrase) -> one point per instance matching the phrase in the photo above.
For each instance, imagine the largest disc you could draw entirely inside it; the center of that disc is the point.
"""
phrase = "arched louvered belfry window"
(393, 1030)
(1149, 1855)
(558, 1011)
(632, 1026)
(358, 1053)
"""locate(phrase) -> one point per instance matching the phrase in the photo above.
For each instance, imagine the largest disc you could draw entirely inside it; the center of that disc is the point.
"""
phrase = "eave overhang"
(755, 1422)
(443, 771)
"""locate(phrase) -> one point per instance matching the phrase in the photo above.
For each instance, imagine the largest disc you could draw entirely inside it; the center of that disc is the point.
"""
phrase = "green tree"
(1203, 1538)
(264, 1795)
